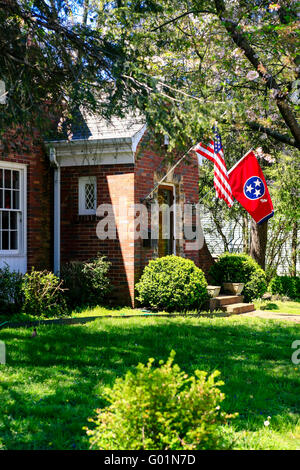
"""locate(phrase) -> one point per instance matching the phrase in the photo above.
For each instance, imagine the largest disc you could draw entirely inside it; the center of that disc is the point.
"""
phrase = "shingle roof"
(92, 127)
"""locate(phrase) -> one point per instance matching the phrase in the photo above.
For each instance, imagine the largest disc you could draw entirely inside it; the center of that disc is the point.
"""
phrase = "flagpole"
(208, 192)
(233, 167)
(173, 167)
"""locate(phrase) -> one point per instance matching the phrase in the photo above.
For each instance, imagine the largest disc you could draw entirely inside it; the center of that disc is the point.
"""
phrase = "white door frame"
(165, 183)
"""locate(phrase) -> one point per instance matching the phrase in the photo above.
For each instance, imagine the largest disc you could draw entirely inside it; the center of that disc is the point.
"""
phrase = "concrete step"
(228, 299)
(238, 308)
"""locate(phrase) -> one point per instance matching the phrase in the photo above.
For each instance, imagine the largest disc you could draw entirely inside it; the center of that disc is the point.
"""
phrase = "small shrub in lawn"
(171, 283)
(86, 283)
(160, 409)
(233, 267)
(286, 285)
(10, 291)
(43, 294)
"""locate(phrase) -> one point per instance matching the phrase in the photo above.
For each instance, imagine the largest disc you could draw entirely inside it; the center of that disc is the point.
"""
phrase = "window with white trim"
(87, 195)
(11, 202)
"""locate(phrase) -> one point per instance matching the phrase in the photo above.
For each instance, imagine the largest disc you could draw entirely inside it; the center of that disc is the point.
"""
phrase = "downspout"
(54, 163)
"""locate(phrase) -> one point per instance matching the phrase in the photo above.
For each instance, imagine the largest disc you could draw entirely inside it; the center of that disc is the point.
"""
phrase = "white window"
(87, 195)
(12, 207)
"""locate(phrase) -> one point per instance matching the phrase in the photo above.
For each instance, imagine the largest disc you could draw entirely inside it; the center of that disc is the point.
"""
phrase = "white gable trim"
(137, 137)
(85, 152)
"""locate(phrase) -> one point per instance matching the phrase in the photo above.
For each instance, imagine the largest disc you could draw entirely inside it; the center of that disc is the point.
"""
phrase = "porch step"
(238, 308)
(232, 304)
(228, 299)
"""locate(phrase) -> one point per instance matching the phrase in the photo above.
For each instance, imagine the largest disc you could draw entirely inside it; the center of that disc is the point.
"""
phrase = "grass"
(290, 307)
(277, 306)
(78, 313)
(98, 311)
(52, 383)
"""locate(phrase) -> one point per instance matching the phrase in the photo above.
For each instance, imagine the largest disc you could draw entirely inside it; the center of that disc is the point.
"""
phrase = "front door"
(166, 221)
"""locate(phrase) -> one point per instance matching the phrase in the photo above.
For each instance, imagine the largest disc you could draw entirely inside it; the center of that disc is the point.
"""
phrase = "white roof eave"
(116, 150)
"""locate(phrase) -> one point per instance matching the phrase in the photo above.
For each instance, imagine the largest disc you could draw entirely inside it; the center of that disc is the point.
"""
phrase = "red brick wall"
(30, 151)
(186, 180)
(79, 239)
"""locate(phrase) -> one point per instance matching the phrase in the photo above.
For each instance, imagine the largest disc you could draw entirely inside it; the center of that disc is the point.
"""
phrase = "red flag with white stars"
(250, 189)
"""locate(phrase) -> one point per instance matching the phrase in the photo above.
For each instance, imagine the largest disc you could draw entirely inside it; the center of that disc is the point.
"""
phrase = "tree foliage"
(182, 63)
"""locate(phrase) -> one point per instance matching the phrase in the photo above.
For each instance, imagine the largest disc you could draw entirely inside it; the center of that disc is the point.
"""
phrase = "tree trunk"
(242, 42)
(294, 249)
(259, 236)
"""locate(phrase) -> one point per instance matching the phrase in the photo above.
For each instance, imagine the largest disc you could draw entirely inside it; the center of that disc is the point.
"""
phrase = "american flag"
(214, 152)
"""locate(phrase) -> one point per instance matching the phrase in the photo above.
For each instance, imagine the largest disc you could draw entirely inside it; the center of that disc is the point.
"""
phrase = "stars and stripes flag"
(214, 152)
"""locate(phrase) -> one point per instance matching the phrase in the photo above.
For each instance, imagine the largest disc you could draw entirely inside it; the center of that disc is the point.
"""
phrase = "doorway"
(166, 244)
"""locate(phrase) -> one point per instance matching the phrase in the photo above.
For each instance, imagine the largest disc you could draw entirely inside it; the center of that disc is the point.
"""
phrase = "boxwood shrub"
(233, 267)
(86, 282)
(286, 285)
(172, 283)
(160, 408)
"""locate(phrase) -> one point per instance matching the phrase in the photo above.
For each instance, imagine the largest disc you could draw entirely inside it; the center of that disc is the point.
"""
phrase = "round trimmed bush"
(234, 267)
(172, 283)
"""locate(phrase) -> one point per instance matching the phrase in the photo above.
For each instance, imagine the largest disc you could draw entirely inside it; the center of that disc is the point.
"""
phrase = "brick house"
(49, 195)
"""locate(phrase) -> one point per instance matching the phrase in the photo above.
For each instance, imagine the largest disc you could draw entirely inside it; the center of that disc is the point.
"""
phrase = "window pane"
(16, 180)
(7, 178)
(16, 199)
(1, 178)
(90, 196)
(9, 230)
(1, 198)
(13, 220)
(5, 240)
(14, 240)
(5, 220)
(7, 199)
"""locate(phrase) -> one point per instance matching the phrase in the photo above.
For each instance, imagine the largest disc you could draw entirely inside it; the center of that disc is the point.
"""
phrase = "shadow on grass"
(53, 382)
(269, 306)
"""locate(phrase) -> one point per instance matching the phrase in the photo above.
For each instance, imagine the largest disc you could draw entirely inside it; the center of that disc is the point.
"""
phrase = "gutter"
(107, 141)
(54, 163)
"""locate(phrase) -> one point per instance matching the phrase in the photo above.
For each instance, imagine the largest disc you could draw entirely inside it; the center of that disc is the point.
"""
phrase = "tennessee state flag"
(250, 189)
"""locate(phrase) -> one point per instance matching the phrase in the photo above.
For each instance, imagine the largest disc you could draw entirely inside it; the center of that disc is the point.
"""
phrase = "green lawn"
(80, 312)
(97, 311)
(104, 312)
(52, 383)
(278, 306)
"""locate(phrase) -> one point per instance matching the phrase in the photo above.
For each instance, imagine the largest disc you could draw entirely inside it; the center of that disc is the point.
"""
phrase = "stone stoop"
(232, 304)
(239, 308)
